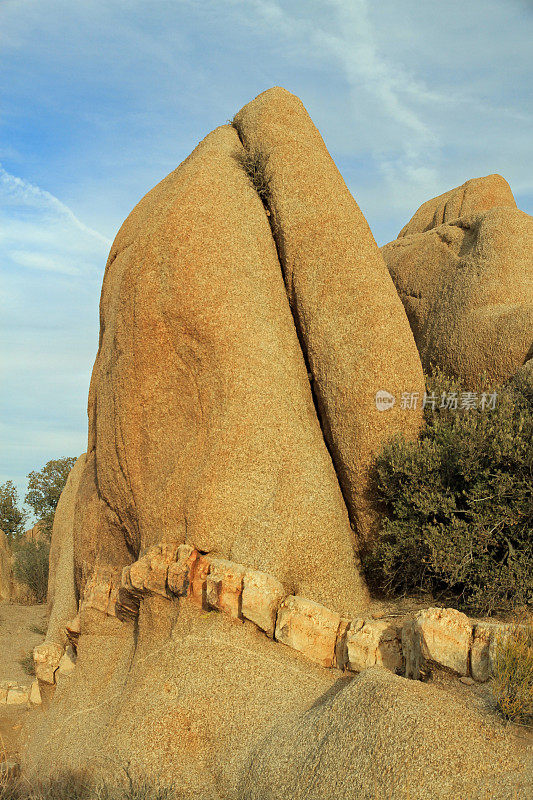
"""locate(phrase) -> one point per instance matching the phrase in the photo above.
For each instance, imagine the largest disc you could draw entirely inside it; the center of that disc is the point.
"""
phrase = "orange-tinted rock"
(261, 597)
(198, 583)
(473, 197)
(62, 542)
(179, 573)
(224, 586)
(441, 636)
(350, 321)
(202, 427)
(309, 628)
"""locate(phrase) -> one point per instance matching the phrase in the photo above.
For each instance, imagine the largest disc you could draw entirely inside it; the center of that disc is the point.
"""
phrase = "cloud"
(52, 264)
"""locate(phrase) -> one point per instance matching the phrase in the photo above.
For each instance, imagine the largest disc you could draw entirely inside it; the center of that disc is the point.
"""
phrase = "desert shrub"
(458, 504)
(30, 567)
(512, 682)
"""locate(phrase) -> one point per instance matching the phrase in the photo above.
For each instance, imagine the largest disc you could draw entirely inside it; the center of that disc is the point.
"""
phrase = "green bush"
(30, 567)
(458, 504)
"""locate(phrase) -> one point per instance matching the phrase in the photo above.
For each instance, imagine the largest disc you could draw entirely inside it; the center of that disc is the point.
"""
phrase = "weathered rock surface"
(209, 526)
(309, 628)
(351, 324)
(261, 598)
(380, 735)
(473, 197)
(202, 423)
(372, 643)
(441, 636)
(185, 711)
(467, 288)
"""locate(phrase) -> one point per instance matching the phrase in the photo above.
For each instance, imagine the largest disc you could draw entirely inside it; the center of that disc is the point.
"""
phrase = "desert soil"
(18, 636)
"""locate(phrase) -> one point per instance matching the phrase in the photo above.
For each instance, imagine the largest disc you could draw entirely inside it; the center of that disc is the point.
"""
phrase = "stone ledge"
(434, 637)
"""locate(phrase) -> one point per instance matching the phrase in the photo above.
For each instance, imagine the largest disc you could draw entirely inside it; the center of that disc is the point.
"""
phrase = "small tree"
(44, 490)
(12, 518)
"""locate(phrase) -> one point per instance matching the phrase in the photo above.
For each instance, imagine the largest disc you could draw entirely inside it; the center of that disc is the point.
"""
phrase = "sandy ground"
(18, 637)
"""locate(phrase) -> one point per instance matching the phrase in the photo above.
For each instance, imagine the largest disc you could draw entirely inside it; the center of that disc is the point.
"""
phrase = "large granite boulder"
(467, 283)
(352, 327)
(212, 553)
(473, 197)
(385, 736)
(202, 427)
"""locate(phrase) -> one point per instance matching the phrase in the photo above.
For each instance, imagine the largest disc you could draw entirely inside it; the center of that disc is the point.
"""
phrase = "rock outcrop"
(473, 197)
(212, 554)
(201, 419)
(467, 282)
(60, 574)
(383, 736)
(351, 324)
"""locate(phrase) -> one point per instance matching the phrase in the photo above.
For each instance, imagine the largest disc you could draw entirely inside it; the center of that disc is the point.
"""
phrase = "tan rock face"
(62, 598)
(46, 658)
(309, 628)
(467, 287)
(202, 424)
(439, 635)
(261, 597)
(372, 643)
(380, 736)
(473, 197)
(350, 320)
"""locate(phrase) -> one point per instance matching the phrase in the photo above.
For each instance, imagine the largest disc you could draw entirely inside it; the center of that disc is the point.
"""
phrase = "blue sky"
(100, 99)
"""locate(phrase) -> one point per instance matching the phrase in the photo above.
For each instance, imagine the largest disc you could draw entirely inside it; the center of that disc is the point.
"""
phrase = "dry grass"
(512, 683)
(27, 663)
(75, 786)
(255, 164)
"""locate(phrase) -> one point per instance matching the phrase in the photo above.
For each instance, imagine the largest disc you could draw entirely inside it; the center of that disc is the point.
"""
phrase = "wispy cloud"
(52, 263)
(28, 194)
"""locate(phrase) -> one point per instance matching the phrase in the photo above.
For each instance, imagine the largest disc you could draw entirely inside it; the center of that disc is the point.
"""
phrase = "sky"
(100, 99)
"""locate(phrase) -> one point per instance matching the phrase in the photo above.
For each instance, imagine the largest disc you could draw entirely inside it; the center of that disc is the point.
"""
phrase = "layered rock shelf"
(434, 637)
